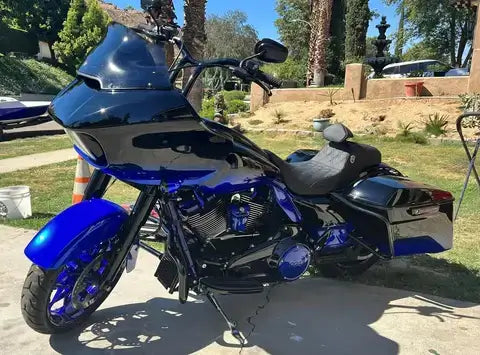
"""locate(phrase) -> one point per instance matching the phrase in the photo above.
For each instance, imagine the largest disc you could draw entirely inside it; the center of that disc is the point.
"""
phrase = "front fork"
(129, 232)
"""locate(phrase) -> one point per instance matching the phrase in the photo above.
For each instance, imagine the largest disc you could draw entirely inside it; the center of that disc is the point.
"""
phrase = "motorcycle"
(235, 218)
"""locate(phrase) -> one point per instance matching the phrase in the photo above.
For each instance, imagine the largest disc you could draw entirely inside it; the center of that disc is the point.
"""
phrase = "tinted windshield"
(126, 60)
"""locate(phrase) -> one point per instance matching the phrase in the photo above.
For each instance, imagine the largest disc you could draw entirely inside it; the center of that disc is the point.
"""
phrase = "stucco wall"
(283, 95)
(389, 88)
(369, 89)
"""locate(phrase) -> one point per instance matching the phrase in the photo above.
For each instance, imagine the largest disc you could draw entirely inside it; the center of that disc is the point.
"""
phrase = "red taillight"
(439, 195)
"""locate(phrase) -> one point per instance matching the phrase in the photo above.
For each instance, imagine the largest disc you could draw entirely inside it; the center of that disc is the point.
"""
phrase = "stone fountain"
(381, 60)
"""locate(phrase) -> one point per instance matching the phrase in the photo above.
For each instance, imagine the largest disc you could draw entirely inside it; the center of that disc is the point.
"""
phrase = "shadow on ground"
(309, 317)
(426, 274)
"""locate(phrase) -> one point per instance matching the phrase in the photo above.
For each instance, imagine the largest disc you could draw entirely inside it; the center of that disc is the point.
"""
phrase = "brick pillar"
(474, 81)
(258, 97)
(356, 79)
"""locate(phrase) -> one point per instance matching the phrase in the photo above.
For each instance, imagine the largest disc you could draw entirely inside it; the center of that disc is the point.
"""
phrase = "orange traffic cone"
(82, 178)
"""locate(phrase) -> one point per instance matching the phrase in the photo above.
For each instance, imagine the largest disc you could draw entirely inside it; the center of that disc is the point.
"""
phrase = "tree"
(400, 37)
(371, 50)
(294, 27)
(194, 37)
(228, 36)
(321, 15)
(83, 29)
(336, 47)
(44, 18)
(442, 27)
(423, 50)
(357, 19)
(130, 8)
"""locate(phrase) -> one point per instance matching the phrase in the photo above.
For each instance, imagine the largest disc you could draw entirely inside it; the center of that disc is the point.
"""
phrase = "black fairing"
(127, 60)
(144, 133)
(82, 106)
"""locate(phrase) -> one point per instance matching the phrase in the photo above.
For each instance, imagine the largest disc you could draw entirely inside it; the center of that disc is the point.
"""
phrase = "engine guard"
(77, 228)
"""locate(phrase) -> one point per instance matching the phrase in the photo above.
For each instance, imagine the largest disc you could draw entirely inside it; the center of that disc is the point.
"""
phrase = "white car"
(403, 69)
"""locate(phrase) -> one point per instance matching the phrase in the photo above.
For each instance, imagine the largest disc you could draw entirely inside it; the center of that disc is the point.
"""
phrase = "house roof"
(130, 18)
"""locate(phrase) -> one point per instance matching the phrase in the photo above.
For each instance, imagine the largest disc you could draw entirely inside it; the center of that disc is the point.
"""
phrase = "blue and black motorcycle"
(235, 218)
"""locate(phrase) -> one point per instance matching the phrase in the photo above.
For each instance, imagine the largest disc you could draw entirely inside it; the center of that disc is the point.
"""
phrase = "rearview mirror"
(271, 51)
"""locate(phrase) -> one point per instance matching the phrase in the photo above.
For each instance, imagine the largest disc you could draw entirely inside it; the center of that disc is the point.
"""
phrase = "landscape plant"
(278, 116)
(330, 93)
(406, 134)
(83, 29)
(436, 124)
(236, 106)
(233, 101)
(326, 113)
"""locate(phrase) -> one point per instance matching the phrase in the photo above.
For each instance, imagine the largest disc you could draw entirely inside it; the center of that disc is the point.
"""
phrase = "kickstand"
(231, 324)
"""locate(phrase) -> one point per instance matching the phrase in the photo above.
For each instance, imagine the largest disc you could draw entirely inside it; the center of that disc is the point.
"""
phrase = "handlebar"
(269, 79)
(247, 70)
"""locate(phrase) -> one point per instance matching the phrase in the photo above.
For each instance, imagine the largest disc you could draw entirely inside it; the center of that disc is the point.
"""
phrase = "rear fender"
(79, 227)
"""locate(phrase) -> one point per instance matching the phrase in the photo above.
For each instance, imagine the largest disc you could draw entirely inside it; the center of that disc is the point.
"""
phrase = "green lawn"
(30, 75)
(454, 274)
(18, 147)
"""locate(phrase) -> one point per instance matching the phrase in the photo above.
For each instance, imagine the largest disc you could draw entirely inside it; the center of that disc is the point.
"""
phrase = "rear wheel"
(55, 301)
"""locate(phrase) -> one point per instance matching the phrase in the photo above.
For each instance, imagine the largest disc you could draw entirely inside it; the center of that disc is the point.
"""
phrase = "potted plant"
(414, 88)
(322, 121)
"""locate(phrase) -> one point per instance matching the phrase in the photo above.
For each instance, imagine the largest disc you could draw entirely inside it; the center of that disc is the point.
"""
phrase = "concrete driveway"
(310, 316)
(45, 129)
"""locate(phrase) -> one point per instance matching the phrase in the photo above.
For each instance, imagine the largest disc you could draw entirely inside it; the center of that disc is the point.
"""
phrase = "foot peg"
(231, 286)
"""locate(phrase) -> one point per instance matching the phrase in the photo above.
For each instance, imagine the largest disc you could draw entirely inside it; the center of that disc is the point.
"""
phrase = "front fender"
(79, 227)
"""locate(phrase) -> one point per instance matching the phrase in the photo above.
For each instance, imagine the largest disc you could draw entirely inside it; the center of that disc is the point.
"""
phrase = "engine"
(238, 214)
(244, 231)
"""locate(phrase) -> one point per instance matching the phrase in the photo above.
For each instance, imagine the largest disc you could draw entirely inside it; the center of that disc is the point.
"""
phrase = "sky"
(262, 14)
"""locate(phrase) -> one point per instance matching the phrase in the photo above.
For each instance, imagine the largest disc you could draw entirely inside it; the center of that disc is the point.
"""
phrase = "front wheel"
(55, 301)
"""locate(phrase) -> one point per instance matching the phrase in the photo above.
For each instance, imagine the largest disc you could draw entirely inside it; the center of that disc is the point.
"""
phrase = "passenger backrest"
(337, 133)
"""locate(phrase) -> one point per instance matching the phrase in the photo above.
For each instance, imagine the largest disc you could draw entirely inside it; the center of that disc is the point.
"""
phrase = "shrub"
(208, 109)
(405, 129)
(436, 124)
(234, 95)
(236, 106)
(255, 122)
(413, 137)
(30, 76)
(291, 70)
(327, 113)
(407, 135)
(470, 102)
(278, 115)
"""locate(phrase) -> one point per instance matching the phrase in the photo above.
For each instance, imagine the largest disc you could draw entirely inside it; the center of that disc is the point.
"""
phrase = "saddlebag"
(402, 217)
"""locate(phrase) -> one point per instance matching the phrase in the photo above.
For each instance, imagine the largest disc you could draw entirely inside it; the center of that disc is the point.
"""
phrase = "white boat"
(14, 113)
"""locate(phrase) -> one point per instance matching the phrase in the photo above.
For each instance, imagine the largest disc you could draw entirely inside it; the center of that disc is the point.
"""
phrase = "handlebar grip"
(269, 79)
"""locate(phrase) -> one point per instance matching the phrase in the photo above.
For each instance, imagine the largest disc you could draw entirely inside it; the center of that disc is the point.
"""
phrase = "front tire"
(56, 301)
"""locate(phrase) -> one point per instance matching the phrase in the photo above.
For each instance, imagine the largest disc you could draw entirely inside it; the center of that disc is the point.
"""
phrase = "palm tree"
(321, 15)
(194, 37)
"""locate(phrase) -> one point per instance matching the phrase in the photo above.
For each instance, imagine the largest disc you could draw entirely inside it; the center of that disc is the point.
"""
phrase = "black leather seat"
(337, 165)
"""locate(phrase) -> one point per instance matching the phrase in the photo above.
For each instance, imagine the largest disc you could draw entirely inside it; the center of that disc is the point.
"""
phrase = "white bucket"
(15, 202)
